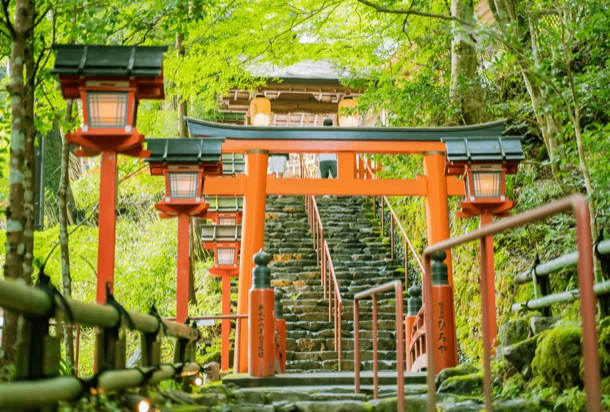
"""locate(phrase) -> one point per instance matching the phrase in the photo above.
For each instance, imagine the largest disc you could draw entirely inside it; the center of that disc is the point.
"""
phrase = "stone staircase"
(361, 260)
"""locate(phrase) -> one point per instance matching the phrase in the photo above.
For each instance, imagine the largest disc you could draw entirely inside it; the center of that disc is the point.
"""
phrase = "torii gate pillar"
(253, 237)
(437, 217)
(437, 202)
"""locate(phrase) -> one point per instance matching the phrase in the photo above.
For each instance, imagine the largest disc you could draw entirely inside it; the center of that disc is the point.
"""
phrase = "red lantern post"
(183, 163)
(484, 164)
(110, 81)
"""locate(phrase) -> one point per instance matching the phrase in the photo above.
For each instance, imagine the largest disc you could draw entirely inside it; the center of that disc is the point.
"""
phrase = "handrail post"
(375, 355)
(414, 304)
(392, 238)
(382, 215)
(375, 206)
(340, 337)
(406, 265)
(330, 297)
(400, 379)
(396, 286)
(357, 346)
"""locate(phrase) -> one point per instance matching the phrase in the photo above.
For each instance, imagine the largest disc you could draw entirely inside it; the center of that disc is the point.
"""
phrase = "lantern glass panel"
(183, 185)
(225, 256)
(227, 220)
(486, 184)
(107, 109)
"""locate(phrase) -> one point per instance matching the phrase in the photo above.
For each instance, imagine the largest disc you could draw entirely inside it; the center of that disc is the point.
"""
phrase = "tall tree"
(21, 64)
(182, 104)
(465, 91)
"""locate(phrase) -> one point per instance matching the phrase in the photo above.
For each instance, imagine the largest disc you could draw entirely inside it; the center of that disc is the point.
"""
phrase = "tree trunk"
(465, 90)
(16, 219)
(182, 107)
(29, 195)
(62, 200)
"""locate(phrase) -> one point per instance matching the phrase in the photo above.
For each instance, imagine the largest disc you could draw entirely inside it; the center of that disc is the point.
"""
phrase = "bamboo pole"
(26, 300)
(26, 394)
(602, 288)
(555, 265)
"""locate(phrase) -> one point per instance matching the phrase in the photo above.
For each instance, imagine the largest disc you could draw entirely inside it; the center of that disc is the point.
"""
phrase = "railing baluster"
(397, 287)
(392, 238)
(382, 216)
(375, 366)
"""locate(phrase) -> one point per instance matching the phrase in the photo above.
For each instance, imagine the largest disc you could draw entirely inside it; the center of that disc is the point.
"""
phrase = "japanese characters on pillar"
(110, 90)
(261, 321)
(443, 344)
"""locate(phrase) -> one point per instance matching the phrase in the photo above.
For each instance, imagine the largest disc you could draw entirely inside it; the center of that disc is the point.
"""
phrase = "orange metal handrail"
(417, 346)
(328, 278)
(396, 286)
(576, 203)
(335, 305)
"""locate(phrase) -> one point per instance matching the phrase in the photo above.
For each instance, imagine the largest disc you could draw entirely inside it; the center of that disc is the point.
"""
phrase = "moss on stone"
(513, 387)
(471, 384)
(558, 357)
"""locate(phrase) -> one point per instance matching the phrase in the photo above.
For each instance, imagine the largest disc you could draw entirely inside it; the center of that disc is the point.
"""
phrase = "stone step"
(288, 303)
(389, 355)
(322, 379)
(346, 365)
(346, 310)
(328, 344)
(322, 316)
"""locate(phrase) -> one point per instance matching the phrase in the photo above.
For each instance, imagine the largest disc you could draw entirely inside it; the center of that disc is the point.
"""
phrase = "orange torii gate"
(258, 142)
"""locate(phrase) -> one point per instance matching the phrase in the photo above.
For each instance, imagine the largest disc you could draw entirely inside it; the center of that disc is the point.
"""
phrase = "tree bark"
(62, 200)
(465, 90)
(182, 106)
(29, 195)
(16, 216)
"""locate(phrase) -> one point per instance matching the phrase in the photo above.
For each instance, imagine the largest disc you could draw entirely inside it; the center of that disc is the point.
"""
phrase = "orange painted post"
(261, 323)
(437, 217)
(183, 278)
(414, 304)
(346, 166)
(253, 236)
(490, 284)
(443, 343)
(226, 323)
(437, 202)
(106, 223)
(281, 329)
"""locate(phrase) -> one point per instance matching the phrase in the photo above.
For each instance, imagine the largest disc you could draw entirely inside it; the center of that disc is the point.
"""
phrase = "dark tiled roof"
(138, 61)
(484, 149)
(185, 150)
